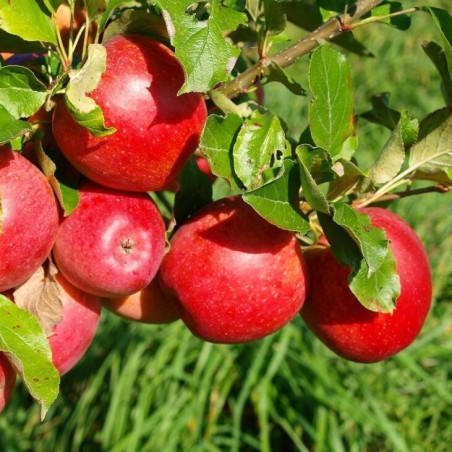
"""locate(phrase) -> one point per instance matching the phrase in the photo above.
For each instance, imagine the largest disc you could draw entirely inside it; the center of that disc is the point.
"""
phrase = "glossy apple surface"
(28, 219)
(157, 130)
(7, 381)
(234, 276)
(337, 318)
(73, 335)
(112, 244)
(149, 305)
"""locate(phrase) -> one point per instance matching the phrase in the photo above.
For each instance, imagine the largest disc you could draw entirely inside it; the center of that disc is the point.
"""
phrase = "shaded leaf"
(348, 176)
(195, 192)
(277, 74)
(402, 21)
(52, 5)
(139, 22)
(438, 57)
(61, 178)
(377, 290)
(443, 21)
(110, 8)
(381, 113)
(26, 346)
(15, 44)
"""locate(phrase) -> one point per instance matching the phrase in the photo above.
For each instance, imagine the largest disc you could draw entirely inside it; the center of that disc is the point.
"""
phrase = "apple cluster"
(227, 273)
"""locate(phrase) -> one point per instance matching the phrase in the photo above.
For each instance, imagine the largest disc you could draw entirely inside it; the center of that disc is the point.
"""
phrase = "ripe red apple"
(112, 244)
(337, 318)
(28, 219)
(7, 381)
(234, 276)
(73, 335)
(149, 305)
(157, 130)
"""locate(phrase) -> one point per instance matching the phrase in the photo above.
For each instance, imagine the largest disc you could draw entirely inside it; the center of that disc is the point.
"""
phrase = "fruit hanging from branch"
(112, 244)
(339, 320)
(233, 276)
(156, 130)
(29, 219)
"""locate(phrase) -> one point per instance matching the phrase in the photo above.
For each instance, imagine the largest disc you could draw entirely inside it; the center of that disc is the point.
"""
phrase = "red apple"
(112, 244)
(72, 336)
(157, 130)
(149, 305)
(337, 318)
(28, 219)
(204, 166)
(7, 381)
(234, 276)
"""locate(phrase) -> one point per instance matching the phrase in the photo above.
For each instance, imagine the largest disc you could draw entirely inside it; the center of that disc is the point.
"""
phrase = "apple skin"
(73, 335)
(337, 318)
(28, 218)
(157, 130)
(233, 276)
(149, 305)
(7, 380)
(112, 244)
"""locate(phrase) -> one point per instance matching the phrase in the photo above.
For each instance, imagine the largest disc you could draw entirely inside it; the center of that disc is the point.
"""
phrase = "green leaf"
(195, 192)
(402, 21)
(52, 5)
(111, 6)
(310, 190)
(139, 22)
(260, 146)
(443, 21)
(377, 290)
(278, 200)
(275, 18)
(63, 182)
(277, 74)
(217, 142)
(14, 44)
(95, 8)
(21, 93)
(27, 19)
(317, 161)
(388, 163)
(438, 57)
(433, 152)
(84, 109)
(26, 346)
(331, 110)
(381, 113)
(370, 240)
(10, 127)
(207, 57)
(307, 16)
(348, 176)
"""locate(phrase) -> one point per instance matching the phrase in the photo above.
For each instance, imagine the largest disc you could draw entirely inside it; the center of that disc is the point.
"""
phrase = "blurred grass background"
(157, 388)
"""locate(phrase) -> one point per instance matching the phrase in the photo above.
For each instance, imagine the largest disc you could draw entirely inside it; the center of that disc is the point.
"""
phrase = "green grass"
(157, 388)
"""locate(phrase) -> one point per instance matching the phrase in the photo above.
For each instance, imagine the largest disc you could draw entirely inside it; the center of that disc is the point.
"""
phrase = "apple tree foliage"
(225, 47)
